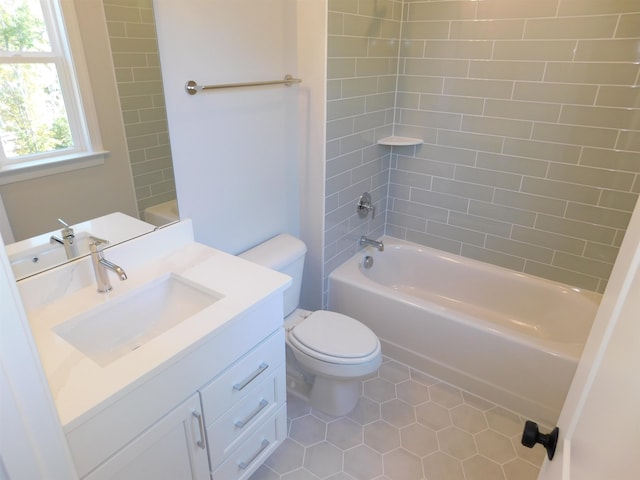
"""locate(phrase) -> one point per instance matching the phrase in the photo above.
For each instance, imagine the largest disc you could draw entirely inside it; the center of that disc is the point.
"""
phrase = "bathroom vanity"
(178, 372)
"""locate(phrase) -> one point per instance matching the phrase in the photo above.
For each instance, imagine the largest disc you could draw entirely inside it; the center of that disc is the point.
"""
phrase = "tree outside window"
(34, 115)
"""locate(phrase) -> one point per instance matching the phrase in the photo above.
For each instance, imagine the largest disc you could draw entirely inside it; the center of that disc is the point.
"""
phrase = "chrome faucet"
(101, 264)
(68, 240)
(367, 241)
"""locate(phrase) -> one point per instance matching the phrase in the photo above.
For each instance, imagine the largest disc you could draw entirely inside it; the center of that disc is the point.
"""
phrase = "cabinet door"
(173, 448)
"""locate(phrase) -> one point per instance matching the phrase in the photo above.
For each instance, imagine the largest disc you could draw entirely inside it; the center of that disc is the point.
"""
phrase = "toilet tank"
(283, 253)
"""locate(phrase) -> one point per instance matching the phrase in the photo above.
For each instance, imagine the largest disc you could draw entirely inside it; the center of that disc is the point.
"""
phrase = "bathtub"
(511, 338)
(162, 213)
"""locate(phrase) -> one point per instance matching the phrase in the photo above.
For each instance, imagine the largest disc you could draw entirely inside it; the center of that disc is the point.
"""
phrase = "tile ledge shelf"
(394, 141)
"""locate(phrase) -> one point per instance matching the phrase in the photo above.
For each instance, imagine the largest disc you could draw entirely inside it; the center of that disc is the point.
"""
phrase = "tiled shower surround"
(529, 113)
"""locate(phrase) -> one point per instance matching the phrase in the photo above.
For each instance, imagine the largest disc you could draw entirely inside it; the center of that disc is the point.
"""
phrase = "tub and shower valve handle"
(364, 206)
(531, 435)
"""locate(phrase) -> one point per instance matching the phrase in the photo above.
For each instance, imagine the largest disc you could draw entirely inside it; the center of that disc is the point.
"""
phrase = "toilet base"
(333, 396)
(338, 403)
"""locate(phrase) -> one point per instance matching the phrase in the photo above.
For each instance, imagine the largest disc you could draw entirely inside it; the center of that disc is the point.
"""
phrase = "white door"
(600, 420)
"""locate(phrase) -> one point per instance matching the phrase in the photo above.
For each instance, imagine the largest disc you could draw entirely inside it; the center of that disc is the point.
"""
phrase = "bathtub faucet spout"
(367, 241)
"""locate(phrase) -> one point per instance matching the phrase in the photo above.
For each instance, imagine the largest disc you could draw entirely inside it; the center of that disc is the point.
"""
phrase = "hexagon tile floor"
(406, 426)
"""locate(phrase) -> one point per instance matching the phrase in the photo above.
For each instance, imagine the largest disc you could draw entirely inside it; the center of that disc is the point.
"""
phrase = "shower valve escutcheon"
(364, 206)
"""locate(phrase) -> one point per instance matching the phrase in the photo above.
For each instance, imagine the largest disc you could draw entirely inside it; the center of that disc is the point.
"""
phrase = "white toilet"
(333, 351)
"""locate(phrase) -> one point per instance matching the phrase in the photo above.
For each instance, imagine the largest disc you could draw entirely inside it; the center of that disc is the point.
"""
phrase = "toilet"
(332, 351)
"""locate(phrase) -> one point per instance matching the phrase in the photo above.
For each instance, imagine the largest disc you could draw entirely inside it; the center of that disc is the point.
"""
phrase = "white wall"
(312, 125)
(249, 163)
(234, 151)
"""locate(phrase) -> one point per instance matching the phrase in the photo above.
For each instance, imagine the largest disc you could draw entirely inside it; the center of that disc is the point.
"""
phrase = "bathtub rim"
(570, 350)
(393, 242)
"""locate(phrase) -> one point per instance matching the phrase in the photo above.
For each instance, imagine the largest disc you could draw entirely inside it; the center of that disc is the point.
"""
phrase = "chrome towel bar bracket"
(192, 87)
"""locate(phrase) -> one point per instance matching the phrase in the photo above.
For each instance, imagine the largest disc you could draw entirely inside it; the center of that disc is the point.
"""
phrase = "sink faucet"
(68, 240)
(367, 241)
(101, 264)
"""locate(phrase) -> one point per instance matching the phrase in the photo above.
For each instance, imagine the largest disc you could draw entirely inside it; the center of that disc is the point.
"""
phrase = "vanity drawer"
(255, 450)
(232, 428)
(239, 379)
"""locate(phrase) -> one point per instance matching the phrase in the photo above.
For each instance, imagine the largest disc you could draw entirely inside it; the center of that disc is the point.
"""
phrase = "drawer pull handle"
(261, 368)
(198, 417)
(241, 423)
(263, 446)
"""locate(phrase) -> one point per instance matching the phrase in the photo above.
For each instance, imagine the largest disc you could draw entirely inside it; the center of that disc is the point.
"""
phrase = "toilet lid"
(335, 335)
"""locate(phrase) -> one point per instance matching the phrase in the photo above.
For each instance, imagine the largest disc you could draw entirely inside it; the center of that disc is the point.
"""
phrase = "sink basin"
(122, 325)
(43, 255)
(37, 259)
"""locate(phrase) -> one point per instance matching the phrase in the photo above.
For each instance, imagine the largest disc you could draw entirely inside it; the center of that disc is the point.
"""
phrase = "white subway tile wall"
(132, 35)
(530, 116)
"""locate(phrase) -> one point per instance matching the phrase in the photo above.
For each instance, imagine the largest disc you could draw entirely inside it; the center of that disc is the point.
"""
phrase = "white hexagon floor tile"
(407, 425)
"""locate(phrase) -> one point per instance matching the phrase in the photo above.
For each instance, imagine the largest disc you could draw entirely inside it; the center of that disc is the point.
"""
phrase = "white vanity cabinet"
(244, 410)
(203, 397)
(240, 415)
(233, 417)
(173, 448)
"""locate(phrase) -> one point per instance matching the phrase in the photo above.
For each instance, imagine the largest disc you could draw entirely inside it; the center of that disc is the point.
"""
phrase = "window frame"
(68, 56)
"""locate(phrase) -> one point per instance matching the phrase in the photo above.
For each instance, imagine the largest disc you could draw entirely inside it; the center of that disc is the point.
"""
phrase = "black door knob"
(531, 435)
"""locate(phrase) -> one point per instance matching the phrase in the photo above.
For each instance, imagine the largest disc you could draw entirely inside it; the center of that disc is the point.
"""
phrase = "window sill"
(41, 168)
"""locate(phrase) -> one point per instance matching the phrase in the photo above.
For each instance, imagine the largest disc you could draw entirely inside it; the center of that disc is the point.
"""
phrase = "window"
(44, 117)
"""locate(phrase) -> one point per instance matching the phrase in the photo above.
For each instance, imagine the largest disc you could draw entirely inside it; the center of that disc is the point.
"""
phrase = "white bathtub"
(162, 213)
(511, 338)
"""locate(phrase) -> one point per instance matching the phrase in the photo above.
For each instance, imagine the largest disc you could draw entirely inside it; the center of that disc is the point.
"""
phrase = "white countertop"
(80, 386)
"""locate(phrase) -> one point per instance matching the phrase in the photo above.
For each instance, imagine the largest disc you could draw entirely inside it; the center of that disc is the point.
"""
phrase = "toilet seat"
(335, 338)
